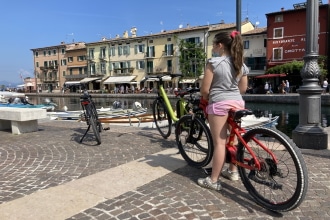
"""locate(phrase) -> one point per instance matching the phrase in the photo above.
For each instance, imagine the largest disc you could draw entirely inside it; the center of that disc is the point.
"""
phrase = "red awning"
(271, 75)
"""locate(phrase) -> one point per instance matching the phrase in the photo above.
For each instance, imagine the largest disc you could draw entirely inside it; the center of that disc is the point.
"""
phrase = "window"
(246, 44)
(126, 50)
(169, 66)
(49, 52)
(150, 66)
(45, 64)
(63, 73)
(103, 68)
(103, 53)
(37, 64)
(71, 71)
(151, 41)
(54, 52)
(277, 53)
(45, 53)
(63, 62)
(92, 69)
(265, 42)
(169, 39)
(120, 50)
(140, 64)
(151, 51)
(112, 51)
(80, 71)
(36, 54)
(169, 50)
(139, 48)
(194, 40)
(278, 32)
(81, 58)
(279, 18)
(63, 51)
(91, 54)
(70, 59)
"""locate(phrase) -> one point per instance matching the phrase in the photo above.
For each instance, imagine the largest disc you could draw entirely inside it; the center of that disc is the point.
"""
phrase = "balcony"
(158, 70)
(124, 71)
(76, 76)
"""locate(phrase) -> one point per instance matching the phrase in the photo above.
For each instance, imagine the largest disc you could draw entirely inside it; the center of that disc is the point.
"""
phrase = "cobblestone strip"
(53, 155)
(177, 196)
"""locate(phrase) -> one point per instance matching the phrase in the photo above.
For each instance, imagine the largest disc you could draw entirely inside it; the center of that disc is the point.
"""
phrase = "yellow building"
(125, 61)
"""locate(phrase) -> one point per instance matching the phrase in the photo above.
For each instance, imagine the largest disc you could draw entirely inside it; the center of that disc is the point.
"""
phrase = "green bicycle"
(192, 134)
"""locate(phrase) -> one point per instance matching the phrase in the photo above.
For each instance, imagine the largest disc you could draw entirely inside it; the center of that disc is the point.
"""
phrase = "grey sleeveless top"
(224, 85)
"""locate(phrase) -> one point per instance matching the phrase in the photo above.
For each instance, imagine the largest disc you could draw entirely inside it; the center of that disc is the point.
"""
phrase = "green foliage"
(295, 67)
(192, 58)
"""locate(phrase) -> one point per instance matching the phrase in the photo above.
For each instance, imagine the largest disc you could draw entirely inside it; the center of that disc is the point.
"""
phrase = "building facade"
(286, 34)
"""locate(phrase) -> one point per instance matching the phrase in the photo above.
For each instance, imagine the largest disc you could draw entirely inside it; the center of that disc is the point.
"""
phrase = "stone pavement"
(133, 174)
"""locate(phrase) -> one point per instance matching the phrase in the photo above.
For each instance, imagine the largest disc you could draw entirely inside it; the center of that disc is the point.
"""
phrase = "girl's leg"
(218, 127)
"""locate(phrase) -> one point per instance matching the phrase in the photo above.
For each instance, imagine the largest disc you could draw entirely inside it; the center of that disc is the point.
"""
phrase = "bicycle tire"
(162, 118)
(280, 186)
(194, 141)
(92, 118)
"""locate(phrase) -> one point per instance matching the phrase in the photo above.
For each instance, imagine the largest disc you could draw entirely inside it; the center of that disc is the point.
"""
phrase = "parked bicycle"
(189, 117)
(269, 163)
(91, 116)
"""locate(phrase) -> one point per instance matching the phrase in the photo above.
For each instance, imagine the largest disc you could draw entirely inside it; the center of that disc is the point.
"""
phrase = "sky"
(27, 25)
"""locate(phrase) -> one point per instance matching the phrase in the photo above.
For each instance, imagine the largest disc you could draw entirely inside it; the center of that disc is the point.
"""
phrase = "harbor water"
(288, 113)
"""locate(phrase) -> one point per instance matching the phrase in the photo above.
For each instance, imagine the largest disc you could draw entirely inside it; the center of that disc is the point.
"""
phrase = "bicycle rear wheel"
(278, 186)
(194, 141)
(161, 118)
(93, 122)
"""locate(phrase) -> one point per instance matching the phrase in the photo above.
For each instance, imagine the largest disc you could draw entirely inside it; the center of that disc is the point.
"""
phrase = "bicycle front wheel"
(93, 122)
(194, 141)
(281, 183)
(162, 118)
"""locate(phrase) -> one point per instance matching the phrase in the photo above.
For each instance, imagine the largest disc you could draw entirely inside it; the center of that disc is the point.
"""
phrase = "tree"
(192, 58)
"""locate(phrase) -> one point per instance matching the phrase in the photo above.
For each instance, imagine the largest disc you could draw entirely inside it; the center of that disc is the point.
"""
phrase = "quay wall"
(291, 98)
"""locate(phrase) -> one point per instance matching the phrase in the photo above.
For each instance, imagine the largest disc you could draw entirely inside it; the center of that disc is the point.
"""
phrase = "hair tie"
(233, 34)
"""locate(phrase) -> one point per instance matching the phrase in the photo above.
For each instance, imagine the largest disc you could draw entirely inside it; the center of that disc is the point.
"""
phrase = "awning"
(271, 75)
(20, 86)
(187, 81)
(87, 80)
(29, 84)
(119, 79)
(164, 78)
(256, 73)
(72, 83)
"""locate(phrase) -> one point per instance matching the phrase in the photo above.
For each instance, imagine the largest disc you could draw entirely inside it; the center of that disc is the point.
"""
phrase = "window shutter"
(136, 49)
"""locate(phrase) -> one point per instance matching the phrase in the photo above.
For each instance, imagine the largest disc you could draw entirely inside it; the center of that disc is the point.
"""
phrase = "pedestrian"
(225, 79)
(266, 87)
(325, 86)
(287, 86)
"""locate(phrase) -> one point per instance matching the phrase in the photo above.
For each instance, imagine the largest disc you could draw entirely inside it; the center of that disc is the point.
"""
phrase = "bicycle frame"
(163, 95)
(237, 131)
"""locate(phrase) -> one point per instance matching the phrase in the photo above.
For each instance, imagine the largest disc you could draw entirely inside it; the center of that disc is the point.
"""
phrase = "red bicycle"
(269, 163)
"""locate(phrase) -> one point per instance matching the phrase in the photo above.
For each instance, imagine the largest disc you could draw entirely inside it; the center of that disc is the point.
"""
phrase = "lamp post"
(238, 15)
(309, 133)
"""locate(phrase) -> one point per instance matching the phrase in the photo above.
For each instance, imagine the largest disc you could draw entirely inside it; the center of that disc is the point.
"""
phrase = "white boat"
(102, 113)
(250, 121)
(6, 95)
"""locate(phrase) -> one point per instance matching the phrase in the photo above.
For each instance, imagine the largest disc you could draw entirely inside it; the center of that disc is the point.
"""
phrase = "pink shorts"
(222, 108)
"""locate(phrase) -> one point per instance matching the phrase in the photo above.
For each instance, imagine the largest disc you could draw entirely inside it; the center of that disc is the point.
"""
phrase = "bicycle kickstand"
(85, 134)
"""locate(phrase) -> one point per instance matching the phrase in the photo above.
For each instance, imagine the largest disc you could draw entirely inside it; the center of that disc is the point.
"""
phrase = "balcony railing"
(158, 70)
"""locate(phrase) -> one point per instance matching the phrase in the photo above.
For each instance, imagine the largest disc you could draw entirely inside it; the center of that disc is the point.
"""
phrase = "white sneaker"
(230, 175)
